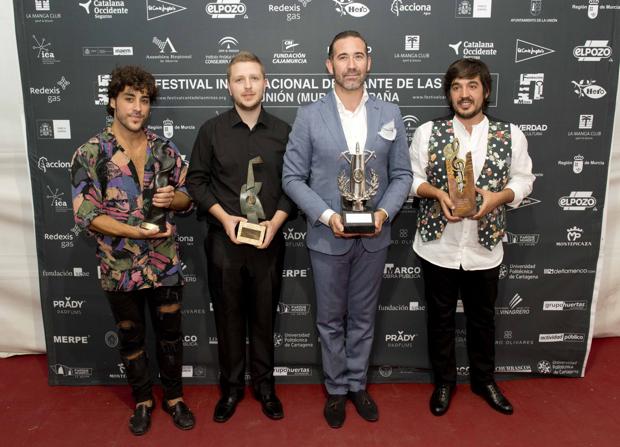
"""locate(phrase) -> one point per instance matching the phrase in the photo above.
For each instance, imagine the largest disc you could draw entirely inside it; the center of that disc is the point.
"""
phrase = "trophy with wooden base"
(251, 232)
(356, 190)
(155, 217)
(461, 186)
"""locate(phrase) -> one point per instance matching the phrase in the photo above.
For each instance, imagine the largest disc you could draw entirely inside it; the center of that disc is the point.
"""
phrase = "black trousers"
(478, 291)
(244, 284)
(128, 311)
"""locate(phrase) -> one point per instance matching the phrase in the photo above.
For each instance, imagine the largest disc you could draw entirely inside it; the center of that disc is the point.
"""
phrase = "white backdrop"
(21, 326)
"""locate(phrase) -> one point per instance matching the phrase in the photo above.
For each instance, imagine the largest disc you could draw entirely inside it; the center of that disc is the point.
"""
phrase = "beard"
(352, 84)
(468, 114)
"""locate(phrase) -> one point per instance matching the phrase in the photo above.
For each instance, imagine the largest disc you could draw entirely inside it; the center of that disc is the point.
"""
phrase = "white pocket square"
(388, 131)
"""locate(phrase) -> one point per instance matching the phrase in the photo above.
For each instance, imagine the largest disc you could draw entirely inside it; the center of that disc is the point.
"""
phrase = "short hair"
(344, 35)
(244, 56)
(130, 76)
(468, 68)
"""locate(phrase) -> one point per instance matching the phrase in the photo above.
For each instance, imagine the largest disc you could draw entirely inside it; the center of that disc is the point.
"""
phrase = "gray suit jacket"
(312, 163)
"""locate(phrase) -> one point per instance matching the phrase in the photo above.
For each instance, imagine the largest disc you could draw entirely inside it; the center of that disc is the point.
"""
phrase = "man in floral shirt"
(113, 187)
(461, 256)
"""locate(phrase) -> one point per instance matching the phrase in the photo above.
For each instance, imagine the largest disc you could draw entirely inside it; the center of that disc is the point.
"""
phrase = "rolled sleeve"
(85, 189)
(521, 179)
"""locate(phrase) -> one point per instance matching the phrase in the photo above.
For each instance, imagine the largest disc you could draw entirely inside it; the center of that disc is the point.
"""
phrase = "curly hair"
(468, 68)
(134, 77)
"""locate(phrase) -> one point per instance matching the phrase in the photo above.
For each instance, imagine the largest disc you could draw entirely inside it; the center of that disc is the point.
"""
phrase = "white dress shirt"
(458, 246)
(355, 128)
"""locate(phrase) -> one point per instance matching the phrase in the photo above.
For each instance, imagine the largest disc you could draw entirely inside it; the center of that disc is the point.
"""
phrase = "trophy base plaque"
(251, 233)
(464, 206)
(358, 221)
(151, 226)
(461, 186)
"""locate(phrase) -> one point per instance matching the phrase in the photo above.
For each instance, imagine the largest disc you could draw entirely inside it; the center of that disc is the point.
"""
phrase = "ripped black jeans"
(165, 309)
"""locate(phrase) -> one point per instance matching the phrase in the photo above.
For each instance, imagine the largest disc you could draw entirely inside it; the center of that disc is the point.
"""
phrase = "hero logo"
(226, 9)
(577, 201)
(588, 88)
(351, 8)
(593, 51)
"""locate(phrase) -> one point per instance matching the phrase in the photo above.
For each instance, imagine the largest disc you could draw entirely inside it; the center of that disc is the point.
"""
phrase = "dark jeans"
(244, 284)
(128, 310)
(478, 291)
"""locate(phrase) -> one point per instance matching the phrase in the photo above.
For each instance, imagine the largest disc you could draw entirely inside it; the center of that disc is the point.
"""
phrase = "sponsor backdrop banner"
(554, 68)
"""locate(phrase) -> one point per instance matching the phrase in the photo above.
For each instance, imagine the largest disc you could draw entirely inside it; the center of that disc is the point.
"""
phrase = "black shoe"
(182, 416)
(140, 420)
(334, 410)
(494, 397)
(225, 407)
(272, 407)
(365, 406)
(440, 399)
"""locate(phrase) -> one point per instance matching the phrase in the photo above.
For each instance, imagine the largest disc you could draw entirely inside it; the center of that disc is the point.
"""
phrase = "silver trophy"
(356, 190)
(251, 232)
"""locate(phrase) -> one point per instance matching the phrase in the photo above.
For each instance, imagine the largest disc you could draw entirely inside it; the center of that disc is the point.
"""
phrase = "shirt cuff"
(327, 214)
(387, 215)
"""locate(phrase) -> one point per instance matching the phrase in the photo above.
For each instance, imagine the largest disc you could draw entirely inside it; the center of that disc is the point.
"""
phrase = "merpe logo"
(593, 51)
(525, 50)
(351, 8)
(588, 88)
(156, 9)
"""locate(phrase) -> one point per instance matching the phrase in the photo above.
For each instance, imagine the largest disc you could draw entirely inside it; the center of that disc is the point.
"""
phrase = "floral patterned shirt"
(104, 181)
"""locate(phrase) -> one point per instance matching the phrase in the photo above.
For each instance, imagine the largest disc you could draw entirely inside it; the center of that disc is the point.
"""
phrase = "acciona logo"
(351, 8)
(593, 51)
(226, 9)
(410, 6)
(577, 201)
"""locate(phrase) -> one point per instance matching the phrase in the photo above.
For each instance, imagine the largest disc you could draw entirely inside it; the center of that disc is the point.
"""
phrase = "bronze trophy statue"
(461, 187)
(251, 232)
(356, 190)
(155, 217)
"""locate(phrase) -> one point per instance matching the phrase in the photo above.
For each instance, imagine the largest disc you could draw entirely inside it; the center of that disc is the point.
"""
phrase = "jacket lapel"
(373, 114)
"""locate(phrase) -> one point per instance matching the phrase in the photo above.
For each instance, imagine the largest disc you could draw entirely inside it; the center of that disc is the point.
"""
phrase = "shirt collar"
(108, 136)
(460, 126)
(235, 119)
(341, 108)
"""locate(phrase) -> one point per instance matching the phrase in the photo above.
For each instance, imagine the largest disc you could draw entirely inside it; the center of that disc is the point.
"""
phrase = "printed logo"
(558, 367)
(411, 123)
(104, 9)
(156, 9)
(585, 132)
(574, 238)
(533, 130)
(568, 337)
(228, 48)
(467, 9)
(68, 306)
(57, 202)
(400, 339)
(71, 339)
(412, 53)
(44, 51)
(101, 89)
(167, 52)
(293, 340)
(42, 5)
(593, 51)
(577, 201)
(390, 271)
(351, 8)
(43, 12)
(288, 371)
(410, 6)
(514, 307)
(295, 273)
(524, 240)
(294, 238)
(578, 164)
(561, 306)
(528, 201)
(111, 339)
(71, 371)
(53, 129)
(293, 309)
(473, 48)
(535, 7)
(289, 54)
(107, 51)
(525, 272)
(226, 9)
(530, 88)
(65, 240)
(526, 50)
(586, 121)
(588, 88)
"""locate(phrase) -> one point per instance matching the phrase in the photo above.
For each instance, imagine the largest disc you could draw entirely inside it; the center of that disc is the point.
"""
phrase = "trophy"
(251, 232)
(155, 217)
(356, 190)
(460, 181)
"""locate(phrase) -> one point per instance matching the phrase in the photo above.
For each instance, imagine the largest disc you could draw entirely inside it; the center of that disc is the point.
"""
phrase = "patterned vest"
(493, 177)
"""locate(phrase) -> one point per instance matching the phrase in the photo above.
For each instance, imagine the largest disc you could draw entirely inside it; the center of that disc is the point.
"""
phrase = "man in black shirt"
(244, 280)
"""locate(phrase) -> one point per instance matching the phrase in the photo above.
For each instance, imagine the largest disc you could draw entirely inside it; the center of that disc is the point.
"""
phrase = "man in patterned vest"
(461, 256)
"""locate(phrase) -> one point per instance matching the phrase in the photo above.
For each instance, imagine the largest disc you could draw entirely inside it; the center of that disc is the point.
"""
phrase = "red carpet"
(548, 412)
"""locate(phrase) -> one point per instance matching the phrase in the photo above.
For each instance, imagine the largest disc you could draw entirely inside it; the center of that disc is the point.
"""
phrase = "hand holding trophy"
(155, 217)
(461, 187)
(251, 232)
(356, 191)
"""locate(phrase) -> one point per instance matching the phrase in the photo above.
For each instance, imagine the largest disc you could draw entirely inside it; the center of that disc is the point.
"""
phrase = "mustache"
(465, 100)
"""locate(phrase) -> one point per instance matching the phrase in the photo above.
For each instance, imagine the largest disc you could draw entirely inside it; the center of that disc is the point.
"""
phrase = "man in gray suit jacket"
(347, 268)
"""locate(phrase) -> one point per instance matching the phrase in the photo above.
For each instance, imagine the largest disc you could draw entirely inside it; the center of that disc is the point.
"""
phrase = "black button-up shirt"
(219, 164)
